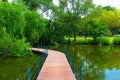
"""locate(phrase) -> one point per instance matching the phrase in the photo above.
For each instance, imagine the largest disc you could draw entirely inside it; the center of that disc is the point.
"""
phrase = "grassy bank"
(101, 40)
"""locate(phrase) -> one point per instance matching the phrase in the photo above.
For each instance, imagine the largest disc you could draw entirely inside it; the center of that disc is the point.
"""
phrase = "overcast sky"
(113, 3)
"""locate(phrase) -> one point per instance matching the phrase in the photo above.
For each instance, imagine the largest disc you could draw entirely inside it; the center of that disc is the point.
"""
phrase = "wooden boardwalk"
(55, 67)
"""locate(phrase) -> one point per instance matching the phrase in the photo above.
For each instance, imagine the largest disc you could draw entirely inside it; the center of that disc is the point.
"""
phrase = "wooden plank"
(56, 67)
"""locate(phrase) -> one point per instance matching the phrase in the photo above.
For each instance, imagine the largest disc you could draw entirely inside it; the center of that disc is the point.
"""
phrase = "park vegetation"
(71, 21)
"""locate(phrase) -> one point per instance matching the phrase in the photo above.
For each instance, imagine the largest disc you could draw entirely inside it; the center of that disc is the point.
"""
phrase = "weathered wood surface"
(55, 67)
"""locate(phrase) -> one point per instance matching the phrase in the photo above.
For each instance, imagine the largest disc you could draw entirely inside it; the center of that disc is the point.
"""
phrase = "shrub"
(11, 46)
(116, 40)
(103, 40)
(81, 40)
(90, 40)
(20, 48)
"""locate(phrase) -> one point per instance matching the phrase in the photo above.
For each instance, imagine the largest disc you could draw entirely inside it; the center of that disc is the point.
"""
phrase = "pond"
(16, 68)
(98, 62)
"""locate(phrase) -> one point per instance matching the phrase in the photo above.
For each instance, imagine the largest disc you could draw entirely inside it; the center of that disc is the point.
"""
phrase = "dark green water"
(98, 62)
(14, 68)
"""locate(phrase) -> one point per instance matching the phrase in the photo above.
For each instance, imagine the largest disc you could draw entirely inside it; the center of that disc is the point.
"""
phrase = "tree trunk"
(94, 39)
(74, 37)
(85, 38)
(68, 40)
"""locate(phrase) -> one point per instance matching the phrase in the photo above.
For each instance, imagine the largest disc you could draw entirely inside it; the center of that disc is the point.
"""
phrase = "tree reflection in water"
(95, 60)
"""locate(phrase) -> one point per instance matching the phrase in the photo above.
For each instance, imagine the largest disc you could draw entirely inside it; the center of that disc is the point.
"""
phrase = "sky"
(113, 3)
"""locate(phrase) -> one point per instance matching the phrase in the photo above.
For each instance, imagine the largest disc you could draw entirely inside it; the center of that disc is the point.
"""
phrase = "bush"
(11, 46)
(90, 41)
(116, 40)
(81, 40)
(103, 40)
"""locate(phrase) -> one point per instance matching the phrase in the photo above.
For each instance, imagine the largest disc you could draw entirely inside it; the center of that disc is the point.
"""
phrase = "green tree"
(84, 27)
(109, 8)
(48, 36)
(12, 18)
(68, 15)
(98, 30)
(85, 21)
(35, 26)
(43, 5)
(112, 19)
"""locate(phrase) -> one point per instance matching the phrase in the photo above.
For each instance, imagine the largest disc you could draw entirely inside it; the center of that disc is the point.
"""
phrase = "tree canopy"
(69, 13)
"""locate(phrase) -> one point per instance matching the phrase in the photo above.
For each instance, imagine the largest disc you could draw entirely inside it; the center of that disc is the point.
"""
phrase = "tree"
(35, 26)
(109, 8)
(12, 18)
(84, 27)
(112, 19)
(69, 13)
(98, 30)
(85, 21)
(42, 5)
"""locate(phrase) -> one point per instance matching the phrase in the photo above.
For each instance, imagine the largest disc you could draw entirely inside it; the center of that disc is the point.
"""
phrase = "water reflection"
(96, 61)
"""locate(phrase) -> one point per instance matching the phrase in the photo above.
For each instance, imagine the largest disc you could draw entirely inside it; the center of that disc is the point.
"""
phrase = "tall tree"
(68, 14)
(93, 26)
(85, 21)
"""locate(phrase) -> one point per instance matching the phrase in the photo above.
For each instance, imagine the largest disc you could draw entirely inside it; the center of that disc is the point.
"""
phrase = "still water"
(98, 62)
(16, 68)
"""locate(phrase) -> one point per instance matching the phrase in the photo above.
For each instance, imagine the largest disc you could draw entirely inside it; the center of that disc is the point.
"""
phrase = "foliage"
(116, 40)
(98, 30)
(11, 46)
(67, 18)
(85, 22)
(85, 40)
(12, 18)
(103, 40)
(35, 26)
(112, 20)
(43, 5)
(109, 8)
(90, 40)
(80, 40)
(84, 27)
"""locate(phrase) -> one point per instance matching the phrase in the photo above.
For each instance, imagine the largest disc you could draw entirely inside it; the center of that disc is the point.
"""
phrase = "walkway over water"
(55, 67)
